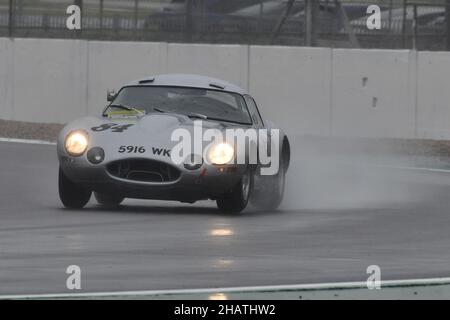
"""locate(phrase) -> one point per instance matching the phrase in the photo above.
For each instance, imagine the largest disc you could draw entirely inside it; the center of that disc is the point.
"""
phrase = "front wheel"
(269, 193)
(108, 200)
(72, 195)
(237, 200)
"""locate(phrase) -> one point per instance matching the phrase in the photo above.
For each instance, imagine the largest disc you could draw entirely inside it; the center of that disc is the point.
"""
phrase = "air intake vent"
(148, 80)
(143, 170)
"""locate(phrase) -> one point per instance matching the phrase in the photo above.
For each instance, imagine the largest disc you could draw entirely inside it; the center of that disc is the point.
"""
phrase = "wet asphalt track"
(157, 245)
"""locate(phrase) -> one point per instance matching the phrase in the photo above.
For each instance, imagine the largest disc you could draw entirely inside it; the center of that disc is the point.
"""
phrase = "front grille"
(143, 170)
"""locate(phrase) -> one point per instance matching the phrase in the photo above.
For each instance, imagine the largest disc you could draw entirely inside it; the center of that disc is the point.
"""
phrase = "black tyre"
(269, 192)
(237, 200)
(108, 200)
(72, 195)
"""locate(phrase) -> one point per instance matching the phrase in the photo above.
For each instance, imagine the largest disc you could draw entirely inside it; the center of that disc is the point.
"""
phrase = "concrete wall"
(292, 87)
(49, 80)
(371, 94)
(308, 91)
(6, 79)
(433, 95)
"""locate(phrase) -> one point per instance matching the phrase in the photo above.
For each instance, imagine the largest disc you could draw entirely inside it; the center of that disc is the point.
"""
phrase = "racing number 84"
(114, 127)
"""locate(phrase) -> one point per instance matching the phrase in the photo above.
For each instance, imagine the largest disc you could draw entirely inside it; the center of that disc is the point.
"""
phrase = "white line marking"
(296, 287)
(28, 141)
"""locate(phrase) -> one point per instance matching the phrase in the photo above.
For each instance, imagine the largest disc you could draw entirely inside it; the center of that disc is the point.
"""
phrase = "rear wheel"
(72, 195)
(107, 199)
(237, 200)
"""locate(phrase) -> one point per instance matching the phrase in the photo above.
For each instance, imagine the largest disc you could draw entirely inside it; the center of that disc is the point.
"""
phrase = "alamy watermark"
(374, 280)
(73, 281)
(73, 22)
(374, 20)
(234, 146)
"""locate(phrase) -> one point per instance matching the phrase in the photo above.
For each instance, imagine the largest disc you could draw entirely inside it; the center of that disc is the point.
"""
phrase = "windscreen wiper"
(128, 108)
(160, 110)
(197, 115)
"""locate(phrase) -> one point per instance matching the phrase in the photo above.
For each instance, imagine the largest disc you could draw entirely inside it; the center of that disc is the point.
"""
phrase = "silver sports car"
(133, 149)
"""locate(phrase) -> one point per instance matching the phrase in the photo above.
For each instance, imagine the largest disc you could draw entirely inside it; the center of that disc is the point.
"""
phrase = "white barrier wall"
(371, 93)
(433, 95)
(292, 87)
(6, 79)
(308, 91)
(50, 80)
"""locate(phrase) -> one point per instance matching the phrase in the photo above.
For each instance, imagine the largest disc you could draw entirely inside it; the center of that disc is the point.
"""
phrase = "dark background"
(406, 24)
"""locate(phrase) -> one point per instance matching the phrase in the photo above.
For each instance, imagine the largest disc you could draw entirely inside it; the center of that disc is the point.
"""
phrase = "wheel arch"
(286, 153)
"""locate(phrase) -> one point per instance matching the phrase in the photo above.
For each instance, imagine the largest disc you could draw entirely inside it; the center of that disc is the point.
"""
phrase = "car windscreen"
(211, 104)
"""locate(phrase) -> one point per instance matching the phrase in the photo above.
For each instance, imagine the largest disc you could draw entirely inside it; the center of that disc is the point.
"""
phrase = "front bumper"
(207, 182)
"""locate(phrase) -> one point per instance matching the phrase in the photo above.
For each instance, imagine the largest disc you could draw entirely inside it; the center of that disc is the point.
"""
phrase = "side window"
(253, 109)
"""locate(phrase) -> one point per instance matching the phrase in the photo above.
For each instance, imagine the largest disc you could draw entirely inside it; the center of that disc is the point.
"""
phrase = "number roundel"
(114, 127)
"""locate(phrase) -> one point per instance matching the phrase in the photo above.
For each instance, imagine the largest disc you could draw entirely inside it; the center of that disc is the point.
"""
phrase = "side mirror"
(111, 95)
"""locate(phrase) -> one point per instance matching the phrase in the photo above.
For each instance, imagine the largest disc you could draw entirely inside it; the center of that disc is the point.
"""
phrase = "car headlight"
(221, 153)
(76, 143)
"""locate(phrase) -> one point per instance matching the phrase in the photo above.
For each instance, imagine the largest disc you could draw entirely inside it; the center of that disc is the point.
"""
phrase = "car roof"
(188, 80)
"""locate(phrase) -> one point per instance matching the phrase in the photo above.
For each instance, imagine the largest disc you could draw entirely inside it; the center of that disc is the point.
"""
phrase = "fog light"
(96, 155)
